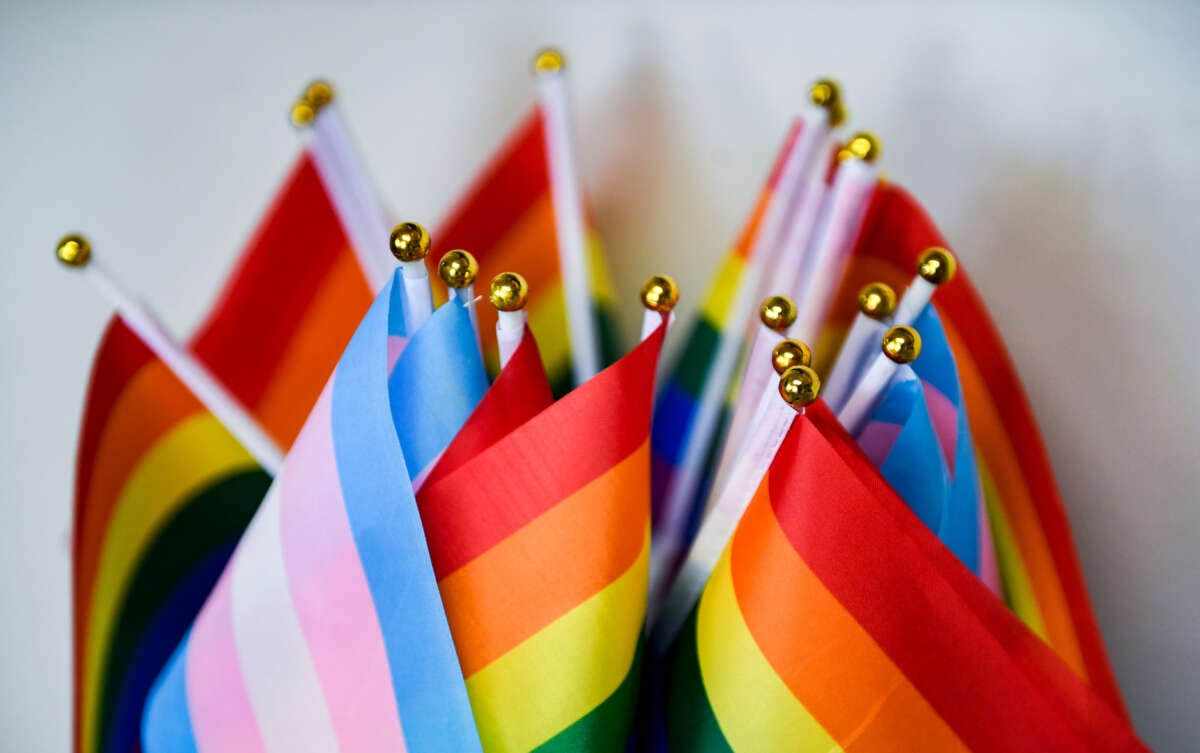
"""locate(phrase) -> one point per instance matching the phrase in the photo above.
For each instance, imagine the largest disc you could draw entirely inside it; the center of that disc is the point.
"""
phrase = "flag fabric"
(162, 490)
(520, 392)
(1039, 568)
(919, 439)
(679, 399)
(326, 632)
(506, 219)
(899, 439)
(835, 621)
(964, 525)
(541, 548)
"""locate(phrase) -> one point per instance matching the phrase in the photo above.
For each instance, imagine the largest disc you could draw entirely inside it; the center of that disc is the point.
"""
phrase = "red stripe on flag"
(996, 683)
(285, 263)
(510, 185)
(587, 432)
(898, 229)
(520, 392)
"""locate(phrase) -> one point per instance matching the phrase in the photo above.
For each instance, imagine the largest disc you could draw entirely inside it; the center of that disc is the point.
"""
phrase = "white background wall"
(1055, 144)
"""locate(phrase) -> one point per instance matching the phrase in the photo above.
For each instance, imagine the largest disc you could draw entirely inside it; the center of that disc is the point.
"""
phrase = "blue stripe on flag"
(437, 382)
(430, 693)
(167, 724)
(915, 466)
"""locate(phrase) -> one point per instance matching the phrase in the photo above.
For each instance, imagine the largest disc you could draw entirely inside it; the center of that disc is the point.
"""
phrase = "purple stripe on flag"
(332, 599)
(222, 717)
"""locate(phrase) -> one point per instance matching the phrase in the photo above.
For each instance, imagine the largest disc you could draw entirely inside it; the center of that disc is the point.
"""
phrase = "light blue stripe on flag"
(167, 724)
(430, 693)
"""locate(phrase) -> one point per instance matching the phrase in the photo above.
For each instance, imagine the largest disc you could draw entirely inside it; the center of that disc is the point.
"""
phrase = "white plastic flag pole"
(901, 345)
(935, 268)
(569, 225)
(76, 252)
(659, 296)
(798, 385)
(458, 269)
(410, 245)
(775, 316)
(876, 302)
(801, 185)
(842, 214)
(509, 292)
(345, 178)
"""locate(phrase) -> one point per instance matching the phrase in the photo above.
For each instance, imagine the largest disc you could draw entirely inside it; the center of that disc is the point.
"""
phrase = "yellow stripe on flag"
(187, 459)
(564, 671)
(755, 708)
(718, 301)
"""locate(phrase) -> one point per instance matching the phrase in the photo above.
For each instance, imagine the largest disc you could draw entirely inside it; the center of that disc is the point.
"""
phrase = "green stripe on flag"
(691, 724)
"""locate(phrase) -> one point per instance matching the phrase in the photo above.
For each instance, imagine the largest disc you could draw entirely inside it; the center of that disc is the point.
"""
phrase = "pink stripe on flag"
(222, 717)
(331, 595)
(989, 569)
(944, 415)
(877, 439)
(395, 346)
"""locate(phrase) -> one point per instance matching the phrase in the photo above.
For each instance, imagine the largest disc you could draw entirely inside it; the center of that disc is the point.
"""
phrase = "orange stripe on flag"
(827, 659)
(550, 566)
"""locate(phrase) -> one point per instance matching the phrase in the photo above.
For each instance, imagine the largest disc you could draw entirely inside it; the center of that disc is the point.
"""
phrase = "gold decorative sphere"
(458, 268)
(319, 93)
(548, 60)
(778, 312)
(863, 145)
(826, 93)
(74, 250)
(902, 344)
(799, 386)
(409, 242)
(508, 291)
(877, 300)
(660, 293)
(937, 265)
(789, 353)
(303, 113)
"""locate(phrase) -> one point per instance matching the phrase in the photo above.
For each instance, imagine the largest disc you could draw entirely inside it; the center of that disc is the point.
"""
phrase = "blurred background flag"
(162, 489)
(1039, 569)
(541, 548)
(326, 631)
(835, 621)
(526, 211)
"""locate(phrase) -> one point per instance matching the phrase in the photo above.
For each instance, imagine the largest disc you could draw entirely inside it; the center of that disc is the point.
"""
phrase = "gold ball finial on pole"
(74, 250)
(937, 266)
(316, 96)
(508, 291)
(660, 293)
(863, 145)
(877, 300)
(827, 94)
(902, 344)
(409, 242)
(549, 60)
(789, 353)
(777, 313)
(458, 268)
(799, 386)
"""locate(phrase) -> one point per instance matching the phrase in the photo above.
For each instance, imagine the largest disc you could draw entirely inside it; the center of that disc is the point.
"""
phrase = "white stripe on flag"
(279, 674)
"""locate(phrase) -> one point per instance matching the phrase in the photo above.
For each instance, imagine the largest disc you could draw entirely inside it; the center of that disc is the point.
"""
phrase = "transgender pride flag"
(326, 631)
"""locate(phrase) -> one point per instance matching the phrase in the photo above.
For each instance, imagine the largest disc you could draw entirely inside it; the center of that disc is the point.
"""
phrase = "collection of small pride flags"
(362, 511)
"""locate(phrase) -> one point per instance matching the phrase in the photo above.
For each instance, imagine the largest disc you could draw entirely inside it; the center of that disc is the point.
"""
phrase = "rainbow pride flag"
(1040, 571)
(162, 490)
(506, 219)
(835, 620)
(541, 548)
(325, 631)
